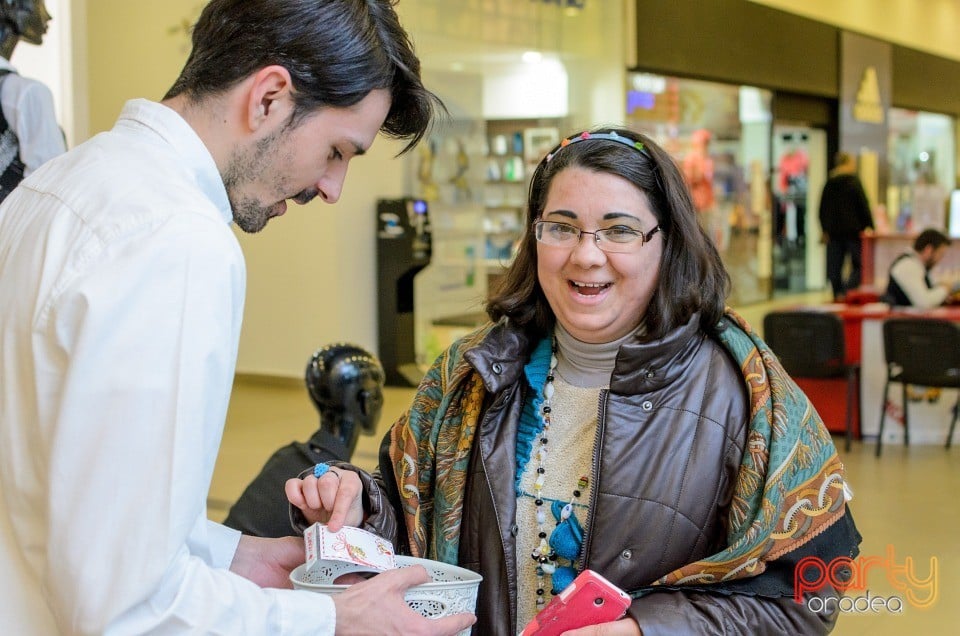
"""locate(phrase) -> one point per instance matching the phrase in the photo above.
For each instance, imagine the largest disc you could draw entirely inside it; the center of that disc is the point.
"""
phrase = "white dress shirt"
(910, 273)
(28, 108)
(121, 296)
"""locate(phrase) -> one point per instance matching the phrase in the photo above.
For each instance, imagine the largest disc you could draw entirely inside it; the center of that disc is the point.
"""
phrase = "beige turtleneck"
(583, 370)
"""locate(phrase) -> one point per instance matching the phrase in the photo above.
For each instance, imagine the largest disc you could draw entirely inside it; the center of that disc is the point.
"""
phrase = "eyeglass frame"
(644, 236)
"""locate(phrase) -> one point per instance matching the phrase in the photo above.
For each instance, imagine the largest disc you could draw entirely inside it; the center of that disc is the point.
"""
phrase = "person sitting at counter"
(909, 279)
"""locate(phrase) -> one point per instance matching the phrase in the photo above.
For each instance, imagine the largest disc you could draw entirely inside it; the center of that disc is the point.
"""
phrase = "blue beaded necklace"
(566, 539)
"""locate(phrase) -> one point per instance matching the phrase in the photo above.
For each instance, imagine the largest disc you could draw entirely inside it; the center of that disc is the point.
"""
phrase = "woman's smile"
(591, 290)
(597, 295)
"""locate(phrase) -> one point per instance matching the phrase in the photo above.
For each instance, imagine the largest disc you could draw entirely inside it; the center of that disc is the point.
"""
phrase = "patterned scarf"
(789, 487)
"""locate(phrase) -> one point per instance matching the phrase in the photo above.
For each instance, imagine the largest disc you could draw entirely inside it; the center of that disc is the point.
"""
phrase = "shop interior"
(528, 74)
(515, 79)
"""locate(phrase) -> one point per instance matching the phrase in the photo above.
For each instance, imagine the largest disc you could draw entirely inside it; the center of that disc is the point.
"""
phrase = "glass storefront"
(922, 170)
(720, 136)
(799, 171)
(515, 78)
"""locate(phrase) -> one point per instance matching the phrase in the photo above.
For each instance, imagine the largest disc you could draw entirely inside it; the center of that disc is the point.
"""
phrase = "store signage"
(648, 83)
(866, 89)
(868, 106)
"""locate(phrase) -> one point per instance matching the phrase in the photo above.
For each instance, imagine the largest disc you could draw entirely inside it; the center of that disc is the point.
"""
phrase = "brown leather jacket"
(671, 433)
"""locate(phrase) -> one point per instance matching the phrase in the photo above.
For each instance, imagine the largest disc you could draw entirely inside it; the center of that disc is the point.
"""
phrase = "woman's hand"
(622, 627)
(334, 499)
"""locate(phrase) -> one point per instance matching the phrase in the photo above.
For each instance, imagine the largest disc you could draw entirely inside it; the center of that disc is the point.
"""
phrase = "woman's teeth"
(589, 289)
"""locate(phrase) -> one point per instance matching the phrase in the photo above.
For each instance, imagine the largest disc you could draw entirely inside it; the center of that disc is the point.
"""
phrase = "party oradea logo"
(843, 584)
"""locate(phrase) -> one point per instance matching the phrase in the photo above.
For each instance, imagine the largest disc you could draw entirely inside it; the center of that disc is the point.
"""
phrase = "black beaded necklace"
(567, 536)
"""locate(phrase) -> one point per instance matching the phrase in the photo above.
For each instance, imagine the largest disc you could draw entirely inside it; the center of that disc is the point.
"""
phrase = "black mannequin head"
(21, 20)
(345, 383)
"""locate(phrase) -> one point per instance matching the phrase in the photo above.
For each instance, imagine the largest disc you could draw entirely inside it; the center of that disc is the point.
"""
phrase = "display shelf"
(478, 177)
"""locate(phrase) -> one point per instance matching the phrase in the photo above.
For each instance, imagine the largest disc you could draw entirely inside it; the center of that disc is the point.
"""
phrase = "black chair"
(924, 352)
(810, 344)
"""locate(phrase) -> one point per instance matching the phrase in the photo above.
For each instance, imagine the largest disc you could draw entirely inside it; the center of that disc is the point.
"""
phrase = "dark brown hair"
(692, 276)
(336, 51)
(932, 237)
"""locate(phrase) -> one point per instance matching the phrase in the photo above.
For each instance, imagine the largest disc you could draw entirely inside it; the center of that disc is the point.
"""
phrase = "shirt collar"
(195, 157)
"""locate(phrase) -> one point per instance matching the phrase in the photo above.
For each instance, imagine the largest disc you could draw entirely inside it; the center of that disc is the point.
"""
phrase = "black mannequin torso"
(345, 383)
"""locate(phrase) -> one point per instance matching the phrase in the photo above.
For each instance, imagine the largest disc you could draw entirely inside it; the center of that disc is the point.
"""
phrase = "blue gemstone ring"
(320, 470)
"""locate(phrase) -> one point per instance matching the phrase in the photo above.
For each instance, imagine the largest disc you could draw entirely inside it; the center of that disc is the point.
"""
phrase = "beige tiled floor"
(905, 500)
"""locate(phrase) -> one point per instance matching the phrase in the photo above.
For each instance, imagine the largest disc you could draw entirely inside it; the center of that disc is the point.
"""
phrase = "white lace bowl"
(453, 589)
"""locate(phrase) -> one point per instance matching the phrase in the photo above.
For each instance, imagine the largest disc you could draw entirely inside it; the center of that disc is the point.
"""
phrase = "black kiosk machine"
(403, 249)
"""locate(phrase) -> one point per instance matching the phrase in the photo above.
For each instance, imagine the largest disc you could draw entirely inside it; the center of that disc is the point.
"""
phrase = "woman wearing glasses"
(612, 416)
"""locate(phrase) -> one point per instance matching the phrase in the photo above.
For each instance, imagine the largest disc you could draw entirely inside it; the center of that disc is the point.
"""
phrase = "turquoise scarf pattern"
(789, 487)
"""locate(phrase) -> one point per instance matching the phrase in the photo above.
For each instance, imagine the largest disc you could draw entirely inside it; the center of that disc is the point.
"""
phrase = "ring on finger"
(322, 469)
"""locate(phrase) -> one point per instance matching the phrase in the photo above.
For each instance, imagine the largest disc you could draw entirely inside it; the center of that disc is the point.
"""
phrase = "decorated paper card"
(360, 548)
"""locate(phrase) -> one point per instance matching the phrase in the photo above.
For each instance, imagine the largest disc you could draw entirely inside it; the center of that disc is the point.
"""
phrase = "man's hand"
(268, 562)
(376, 606)
(334, 499)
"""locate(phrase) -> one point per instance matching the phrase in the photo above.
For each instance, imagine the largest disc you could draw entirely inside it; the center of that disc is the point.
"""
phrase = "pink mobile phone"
(589, 600)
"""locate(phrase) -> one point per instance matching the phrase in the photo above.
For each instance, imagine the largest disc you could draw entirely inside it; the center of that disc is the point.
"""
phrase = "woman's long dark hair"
(692, 276)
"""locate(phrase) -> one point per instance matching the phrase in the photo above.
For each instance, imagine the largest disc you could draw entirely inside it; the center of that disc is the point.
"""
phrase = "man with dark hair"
(909, 282)
(29, 133)
(121, 296)
(844, 214)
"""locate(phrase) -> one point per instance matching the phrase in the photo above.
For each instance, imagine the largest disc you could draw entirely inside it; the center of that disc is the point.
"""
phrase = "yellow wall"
(926, 25)
(310, 274)
(135, 48)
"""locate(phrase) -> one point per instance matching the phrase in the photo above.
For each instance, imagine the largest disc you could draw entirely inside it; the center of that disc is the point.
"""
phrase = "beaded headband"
(610, 136)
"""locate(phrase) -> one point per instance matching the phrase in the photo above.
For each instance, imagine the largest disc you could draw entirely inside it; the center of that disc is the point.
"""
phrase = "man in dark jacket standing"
(844, 214)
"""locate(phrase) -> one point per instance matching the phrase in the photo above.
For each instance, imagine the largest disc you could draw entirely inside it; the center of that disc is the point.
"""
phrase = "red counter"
(829, 396)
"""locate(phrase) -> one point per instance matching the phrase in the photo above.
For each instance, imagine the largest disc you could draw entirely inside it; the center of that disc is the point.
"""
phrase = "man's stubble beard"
(245, 167)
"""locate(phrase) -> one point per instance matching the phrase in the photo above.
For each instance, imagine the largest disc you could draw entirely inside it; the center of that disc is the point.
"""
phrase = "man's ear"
(270, 99)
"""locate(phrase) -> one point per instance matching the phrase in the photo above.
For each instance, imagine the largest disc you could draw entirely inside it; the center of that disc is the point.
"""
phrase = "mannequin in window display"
(728, 175)
(29, 132)
(698, 171)
(345, 383)
(792, 192)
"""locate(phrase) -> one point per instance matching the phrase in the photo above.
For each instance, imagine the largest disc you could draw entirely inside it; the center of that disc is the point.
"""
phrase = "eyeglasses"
(617, 240)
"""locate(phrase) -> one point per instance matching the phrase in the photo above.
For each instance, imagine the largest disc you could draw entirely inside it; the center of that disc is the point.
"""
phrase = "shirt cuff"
(223, 542)
(299, 612)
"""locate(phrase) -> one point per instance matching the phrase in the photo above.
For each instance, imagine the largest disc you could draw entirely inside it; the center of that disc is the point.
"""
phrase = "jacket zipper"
(594, 471)
(511, 585)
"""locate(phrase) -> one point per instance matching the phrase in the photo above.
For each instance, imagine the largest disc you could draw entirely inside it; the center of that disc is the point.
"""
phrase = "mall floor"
(904, 502)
